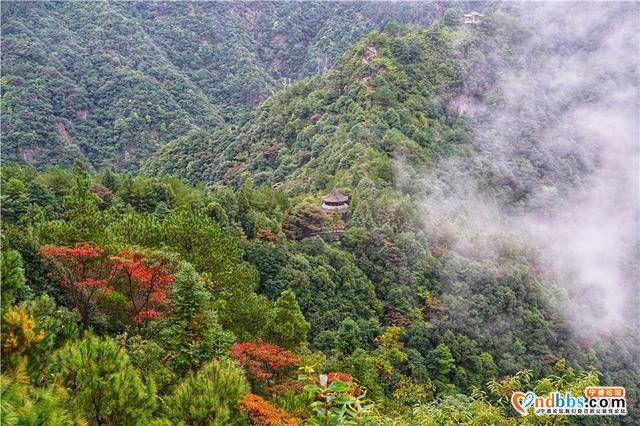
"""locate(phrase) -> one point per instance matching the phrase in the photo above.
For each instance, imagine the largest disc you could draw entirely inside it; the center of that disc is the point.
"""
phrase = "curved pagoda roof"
(335, 197)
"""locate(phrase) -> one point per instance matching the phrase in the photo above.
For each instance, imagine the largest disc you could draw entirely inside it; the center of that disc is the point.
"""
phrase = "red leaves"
(262, 413)
(84, 270)
(93, 274)
(82, 251)
(144, 316)
(146, 284)
(91, 283)
(264, 362)
(82, 266)
(346, 378)
(394, 317)
(266, 235)
(101, 191)
(343, 377)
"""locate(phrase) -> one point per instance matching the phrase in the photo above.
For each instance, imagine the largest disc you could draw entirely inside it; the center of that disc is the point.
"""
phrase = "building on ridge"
(335, 201)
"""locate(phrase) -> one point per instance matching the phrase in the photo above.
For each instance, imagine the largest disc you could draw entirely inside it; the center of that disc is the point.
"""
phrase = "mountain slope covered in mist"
(490, 243)
(514, 138)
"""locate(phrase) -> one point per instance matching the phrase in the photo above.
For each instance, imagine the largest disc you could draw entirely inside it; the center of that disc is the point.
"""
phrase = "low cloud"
(557, 157)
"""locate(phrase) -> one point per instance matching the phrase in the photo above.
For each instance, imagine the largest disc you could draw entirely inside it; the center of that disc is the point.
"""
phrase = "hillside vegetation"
(387, 96)
(209, 288)
(154, 279)
(109, 83)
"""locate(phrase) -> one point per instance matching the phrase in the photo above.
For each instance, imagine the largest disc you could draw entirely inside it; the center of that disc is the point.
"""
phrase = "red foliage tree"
(394, 317)
(262, 413)
(85, 270)
(91, 275)
(102, 192)
(265, 364)
(266, 235)
(145, 282)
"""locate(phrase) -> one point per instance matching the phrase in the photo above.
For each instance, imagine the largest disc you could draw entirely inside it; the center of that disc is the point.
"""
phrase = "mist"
(555, 130)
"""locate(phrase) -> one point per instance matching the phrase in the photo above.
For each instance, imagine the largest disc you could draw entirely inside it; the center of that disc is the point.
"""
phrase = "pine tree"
(233, 282)
(362, 215)
(12, 276)
(19, 335)
(39, 194)
(100, 383)
(287, 326)
(441, 364)
(22, 404)
(81, 208)
(348, 337)
(211, 397)
(193, 334)
(109, 179)
(161, 211)
(14, 200)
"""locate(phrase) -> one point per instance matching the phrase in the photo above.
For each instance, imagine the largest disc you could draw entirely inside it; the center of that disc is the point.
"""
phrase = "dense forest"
(110, 82)
(165, 259)
(146, 290)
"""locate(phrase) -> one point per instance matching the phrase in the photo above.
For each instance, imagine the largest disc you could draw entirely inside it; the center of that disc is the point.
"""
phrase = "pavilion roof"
(335, 197)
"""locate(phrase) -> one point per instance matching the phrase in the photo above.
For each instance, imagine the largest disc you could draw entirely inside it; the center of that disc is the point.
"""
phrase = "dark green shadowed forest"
(168, 257)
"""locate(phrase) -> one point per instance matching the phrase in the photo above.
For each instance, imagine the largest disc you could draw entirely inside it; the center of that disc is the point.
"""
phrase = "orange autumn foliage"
(262, 413)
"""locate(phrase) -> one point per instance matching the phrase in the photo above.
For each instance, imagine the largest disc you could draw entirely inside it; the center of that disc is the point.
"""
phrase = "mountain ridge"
(172, 68)
(369, 87)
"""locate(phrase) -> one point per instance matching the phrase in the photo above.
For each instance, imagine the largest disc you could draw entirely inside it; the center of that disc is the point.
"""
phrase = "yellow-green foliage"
(99, 383)
(19, 335)
(210, 397)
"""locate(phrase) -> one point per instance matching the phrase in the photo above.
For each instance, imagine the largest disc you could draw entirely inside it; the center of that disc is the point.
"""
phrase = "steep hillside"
(388, 115)
(475, 147)
(108, 83)
(386, 97)
(84, 81)
(490, 242)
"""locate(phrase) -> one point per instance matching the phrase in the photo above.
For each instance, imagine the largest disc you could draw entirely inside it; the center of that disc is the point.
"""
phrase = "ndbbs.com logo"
(603, 401)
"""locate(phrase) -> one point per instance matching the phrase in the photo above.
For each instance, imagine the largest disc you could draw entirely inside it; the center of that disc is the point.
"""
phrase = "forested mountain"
(111, 82)
(196, 291)
(141, 283)
(387, 96)
(465, 133)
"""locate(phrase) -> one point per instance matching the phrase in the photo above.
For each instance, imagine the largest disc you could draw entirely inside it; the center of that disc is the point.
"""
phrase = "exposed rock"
(370, 52)
(64, 134)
